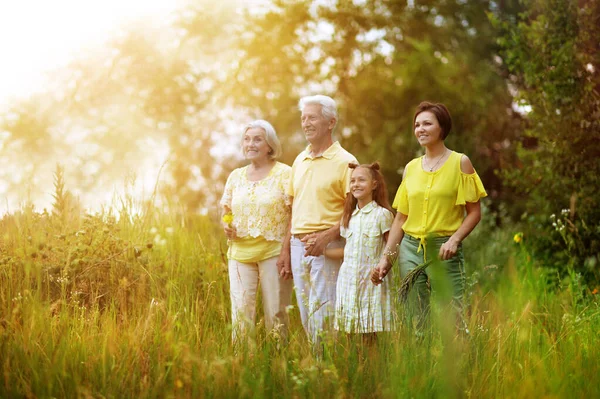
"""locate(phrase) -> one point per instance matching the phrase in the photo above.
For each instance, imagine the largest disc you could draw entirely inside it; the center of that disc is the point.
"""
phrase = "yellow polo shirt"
(319, 186)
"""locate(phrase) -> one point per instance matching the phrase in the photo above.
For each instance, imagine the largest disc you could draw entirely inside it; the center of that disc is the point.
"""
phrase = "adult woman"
(438, 206)
(259, 211)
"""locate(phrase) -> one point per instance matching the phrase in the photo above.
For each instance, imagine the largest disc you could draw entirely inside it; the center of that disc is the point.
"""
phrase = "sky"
(37, 36)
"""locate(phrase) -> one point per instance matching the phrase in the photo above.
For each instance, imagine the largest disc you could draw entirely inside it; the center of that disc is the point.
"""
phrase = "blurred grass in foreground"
(138, 306)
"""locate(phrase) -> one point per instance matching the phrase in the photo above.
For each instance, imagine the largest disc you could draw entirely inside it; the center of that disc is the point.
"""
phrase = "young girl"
(361, 306)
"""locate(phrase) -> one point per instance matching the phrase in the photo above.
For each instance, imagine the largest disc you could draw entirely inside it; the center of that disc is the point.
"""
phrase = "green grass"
(139, 307)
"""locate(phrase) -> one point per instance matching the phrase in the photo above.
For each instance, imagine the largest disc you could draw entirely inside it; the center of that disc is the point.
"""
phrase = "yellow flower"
(228, 218)
(518, 238)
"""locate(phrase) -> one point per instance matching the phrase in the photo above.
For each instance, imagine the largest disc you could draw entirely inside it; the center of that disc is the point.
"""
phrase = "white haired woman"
(257, 216)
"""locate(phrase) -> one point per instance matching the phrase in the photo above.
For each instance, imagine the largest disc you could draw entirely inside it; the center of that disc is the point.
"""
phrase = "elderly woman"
(438, 206)
(257, 215)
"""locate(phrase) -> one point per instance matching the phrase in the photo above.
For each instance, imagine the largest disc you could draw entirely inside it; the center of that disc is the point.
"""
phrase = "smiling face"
(255, 145)
(362, 185)
(427, 129)
(316, 127)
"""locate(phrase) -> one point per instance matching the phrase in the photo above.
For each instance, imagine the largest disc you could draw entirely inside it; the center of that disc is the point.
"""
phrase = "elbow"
(476, 218)
(473, 217)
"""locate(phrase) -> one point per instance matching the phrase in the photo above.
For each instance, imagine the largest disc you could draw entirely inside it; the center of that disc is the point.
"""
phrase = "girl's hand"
(381, 270)
(230, 232)
(448, 249)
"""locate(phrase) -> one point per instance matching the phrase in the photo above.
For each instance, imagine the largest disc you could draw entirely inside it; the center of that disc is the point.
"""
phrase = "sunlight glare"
(37, 36)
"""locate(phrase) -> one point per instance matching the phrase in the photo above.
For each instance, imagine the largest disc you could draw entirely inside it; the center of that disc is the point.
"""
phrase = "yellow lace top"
(260, 208)
(435, 201)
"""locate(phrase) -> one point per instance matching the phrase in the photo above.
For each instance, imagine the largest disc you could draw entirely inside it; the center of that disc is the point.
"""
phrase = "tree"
(109, 111)
(379, 59)
(552, 52)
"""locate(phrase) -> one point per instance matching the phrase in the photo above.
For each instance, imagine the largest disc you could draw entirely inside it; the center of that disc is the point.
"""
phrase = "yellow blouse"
(261, 213)
(435, 201)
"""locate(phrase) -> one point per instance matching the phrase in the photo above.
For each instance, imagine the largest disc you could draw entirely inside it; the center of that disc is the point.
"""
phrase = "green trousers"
(445, 278)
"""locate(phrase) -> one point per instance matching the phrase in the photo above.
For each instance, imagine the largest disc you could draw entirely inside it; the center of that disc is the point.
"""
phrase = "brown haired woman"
(361, 307)
(438, 206)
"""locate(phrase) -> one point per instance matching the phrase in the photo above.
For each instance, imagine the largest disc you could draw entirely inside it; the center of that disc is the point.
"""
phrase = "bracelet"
(389, 253)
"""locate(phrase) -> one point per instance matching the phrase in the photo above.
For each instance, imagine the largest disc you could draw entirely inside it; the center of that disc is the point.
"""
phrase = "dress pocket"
(371, 239)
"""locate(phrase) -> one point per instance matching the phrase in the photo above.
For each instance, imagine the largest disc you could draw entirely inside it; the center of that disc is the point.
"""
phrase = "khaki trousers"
(276, 294)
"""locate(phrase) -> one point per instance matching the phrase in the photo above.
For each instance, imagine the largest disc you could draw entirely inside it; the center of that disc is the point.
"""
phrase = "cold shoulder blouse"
(435, 201)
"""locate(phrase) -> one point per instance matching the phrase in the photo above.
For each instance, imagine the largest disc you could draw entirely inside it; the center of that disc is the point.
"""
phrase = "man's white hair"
(328, 105)
(270, 136)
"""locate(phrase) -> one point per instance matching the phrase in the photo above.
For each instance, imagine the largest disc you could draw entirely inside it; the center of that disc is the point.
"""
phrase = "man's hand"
(315, 243)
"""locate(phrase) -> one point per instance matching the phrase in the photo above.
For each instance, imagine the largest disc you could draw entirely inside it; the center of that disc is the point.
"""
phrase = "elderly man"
(318, 186)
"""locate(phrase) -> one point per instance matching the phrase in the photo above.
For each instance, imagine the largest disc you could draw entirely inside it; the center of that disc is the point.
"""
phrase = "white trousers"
(276, 295)
(315, 280)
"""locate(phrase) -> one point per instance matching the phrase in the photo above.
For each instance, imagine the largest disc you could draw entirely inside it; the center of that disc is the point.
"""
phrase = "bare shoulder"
(408, 166)
(465, 165)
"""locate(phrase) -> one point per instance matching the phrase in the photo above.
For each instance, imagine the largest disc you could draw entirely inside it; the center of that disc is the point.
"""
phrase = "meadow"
(122, 304)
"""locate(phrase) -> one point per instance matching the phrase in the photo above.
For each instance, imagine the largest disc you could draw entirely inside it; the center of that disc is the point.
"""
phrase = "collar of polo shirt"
(328, 154)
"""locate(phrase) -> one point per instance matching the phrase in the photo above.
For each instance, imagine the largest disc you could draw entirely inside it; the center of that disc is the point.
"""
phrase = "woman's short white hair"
(328, 105)
(270, 136)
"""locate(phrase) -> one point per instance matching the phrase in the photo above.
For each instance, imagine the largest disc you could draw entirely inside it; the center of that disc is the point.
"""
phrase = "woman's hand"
(449, 249)
(284, 265)
(230, 232)
(380, 271)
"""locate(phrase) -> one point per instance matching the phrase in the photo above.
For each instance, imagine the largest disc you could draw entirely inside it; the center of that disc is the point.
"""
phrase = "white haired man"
(319, 183)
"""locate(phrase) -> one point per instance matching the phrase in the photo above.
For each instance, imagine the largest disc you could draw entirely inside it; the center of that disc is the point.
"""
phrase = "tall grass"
(138, 306)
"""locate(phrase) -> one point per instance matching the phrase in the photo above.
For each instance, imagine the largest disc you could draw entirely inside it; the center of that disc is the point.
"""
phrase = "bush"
(552, 57)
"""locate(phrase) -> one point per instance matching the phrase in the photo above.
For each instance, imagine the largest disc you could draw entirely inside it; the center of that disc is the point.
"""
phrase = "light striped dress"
(362, 307)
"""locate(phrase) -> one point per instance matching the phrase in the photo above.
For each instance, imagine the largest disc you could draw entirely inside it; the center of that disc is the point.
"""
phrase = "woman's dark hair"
(380, 194)
(441, 113)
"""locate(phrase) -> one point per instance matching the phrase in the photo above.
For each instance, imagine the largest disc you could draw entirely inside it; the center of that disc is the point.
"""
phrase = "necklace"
(438, 161)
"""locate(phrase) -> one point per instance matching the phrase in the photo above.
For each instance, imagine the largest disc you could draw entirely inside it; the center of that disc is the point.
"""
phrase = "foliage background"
(118, 287)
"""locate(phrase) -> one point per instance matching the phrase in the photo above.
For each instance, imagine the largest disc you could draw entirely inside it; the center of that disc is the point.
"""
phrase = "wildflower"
(595, 291)
(518, 238)
(169, 230)
(228, 218)
(153, 230)
(179, 383)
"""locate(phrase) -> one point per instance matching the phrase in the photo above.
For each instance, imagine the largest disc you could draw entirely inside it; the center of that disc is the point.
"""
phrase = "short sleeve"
(401, 200)
(470, 189)
(289, 185)
(346, 179)
(343, 230)
(385, 221)
(227, 192)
